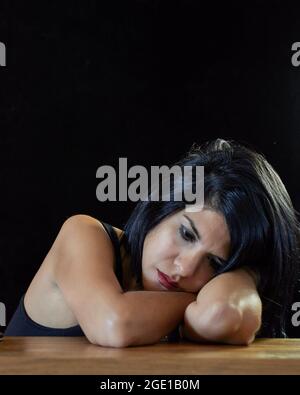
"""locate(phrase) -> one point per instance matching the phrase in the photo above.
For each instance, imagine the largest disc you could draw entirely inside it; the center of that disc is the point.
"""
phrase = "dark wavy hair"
(240, 184)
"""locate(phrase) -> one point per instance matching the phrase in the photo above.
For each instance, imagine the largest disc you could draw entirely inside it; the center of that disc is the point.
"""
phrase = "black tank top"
(22, 325)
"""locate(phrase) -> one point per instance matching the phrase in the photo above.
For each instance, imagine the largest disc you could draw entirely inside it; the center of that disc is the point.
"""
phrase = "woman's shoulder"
(75, 228)
(84, 219)
(79, 232)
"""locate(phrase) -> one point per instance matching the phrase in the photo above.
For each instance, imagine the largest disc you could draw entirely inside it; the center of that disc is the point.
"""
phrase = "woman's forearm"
(227, 310)
(150, 315)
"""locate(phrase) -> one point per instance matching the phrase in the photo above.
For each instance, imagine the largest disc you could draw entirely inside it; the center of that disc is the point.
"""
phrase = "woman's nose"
(187, 265)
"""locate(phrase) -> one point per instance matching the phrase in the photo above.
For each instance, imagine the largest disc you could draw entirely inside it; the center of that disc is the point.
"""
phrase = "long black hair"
(240, 184)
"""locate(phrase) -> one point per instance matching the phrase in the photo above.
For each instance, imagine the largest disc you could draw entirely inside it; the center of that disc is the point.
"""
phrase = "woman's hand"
(227, 310)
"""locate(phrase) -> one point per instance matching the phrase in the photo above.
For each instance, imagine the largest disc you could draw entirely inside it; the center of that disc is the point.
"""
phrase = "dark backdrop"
(87, 82)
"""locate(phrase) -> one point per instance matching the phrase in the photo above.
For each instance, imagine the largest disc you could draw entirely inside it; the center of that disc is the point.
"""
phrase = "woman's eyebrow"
(198, 236)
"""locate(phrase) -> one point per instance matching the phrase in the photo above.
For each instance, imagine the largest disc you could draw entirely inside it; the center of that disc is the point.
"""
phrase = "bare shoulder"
(84, 273)
(78, 268)
(82, 223)
(82, 232)
(74, 231)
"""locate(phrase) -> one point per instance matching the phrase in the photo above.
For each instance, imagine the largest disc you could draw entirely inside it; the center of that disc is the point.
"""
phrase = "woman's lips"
(165, 280)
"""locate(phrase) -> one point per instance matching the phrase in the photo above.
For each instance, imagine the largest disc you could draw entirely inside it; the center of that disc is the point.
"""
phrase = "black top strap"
(116, 243)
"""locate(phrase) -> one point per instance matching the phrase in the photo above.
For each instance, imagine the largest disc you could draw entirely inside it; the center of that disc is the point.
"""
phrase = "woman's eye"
(186, 235)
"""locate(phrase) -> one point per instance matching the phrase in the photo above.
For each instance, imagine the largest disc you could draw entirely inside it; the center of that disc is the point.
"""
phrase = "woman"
(224, 274)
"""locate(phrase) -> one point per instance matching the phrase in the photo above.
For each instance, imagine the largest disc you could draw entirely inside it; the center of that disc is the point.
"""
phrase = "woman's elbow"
(114, 335)
(231, 325)
(220, 321)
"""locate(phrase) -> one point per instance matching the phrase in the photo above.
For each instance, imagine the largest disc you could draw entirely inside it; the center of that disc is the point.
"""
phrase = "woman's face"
(188, 247)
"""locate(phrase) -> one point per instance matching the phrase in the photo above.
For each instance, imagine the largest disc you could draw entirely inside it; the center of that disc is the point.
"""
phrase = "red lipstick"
(166, 281)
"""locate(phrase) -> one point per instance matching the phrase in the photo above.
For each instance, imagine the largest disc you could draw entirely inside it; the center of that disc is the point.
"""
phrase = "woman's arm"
(83, 271)
(227, 310)
(153, 314)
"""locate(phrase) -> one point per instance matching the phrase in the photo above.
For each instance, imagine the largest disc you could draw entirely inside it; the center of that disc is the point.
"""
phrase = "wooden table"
(67, 355)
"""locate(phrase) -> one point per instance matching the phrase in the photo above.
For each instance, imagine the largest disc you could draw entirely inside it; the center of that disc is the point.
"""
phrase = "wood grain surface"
(75, 355)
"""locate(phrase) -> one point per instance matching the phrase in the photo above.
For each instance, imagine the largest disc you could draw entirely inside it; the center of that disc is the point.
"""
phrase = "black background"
(87, 82)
